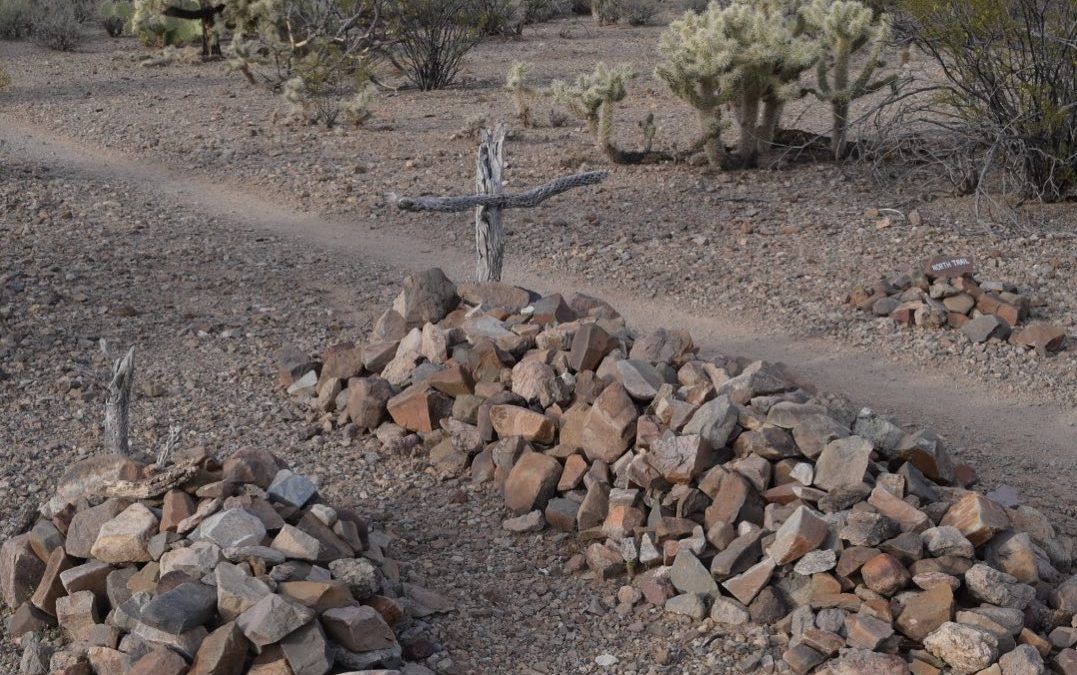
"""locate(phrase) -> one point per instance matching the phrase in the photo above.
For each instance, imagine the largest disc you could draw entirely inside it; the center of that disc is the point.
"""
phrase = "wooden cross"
(491, 200)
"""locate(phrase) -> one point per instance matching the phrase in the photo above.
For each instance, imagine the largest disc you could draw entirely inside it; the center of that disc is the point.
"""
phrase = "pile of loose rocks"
(946, 293)
(203, 568)
(722, 488)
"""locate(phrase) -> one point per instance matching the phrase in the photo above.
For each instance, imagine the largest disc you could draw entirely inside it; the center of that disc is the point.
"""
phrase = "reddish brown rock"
(51, 587)
(905, 514)
(590, 345)
(177, 507)
(745, 586)
(572, 475)
(532, 482)
(341, 361)
(610, 425)
(454, 380)
(367, 401)
(866, 632)
(160, 661)
(86, 525)
(884, 574)
(419, 408)
(977, 517)
(223, 652)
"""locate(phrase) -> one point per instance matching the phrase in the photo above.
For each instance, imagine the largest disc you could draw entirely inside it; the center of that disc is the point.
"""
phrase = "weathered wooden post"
(118, 406)
(492, 200)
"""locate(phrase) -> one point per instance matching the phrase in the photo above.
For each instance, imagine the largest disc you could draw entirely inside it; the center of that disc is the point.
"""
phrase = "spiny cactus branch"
(118, 406)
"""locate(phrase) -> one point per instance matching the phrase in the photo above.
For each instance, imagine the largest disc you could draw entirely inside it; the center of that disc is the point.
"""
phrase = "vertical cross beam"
(489, 232)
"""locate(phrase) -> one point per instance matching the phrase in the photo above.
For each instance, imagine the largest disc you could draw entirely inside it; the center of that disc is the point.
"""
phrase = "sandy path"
(1027, 442)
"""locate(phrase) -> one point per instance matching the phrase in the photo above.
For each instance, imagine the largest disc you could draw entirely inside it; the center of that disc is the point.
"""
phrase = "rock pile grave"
(946, 293)
(722, 488)
(204, 568)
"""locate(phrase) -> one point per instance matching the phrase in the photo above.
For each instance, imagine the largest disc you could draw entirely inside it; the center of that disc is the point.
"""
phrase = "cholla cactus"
(357, 109)
(844, 27)
(749, 55)
(515, 85)
(592, 98)
(605, 11)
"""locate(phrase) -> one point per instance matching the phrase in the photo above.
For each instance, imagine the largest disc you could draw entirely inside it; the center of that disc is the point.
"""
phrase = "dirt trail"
(1028, 443)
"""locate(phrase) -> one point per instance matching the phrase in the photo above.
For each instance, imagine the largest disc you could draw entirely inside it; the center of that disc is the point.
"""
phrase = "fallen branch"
(154, 486)
(532, 197)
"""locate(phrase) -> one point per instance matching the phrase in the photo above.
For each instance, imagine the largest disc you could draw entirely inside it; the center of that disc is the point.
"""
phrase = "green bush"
(153, 29)
(16, 19)
(1011, 70)
(538, 11)
(496, 17)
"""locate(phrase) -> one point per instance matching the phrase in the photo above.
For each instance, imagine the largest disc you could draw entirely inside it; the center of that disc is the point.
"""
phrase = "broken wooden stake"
(118, 406)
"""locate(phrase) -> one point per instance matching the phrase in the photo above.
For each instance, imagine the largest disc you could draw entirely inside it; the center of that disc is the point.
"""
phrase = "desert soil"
(164, 208)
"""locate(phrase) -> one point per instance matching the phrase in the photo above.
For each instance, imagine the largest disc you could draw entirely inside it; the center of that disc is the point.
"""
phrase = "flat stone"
(910, 518)
(863, 528)
(640, 379)
(358, 628)
(196, 560)
(728, 611)
(866, 632)
(561, 514)
(186, 644)
(965, 649)
(814, 562)
(533, 521)
(271, 618)
(802, 658)
(87, 476)
(671, 347)
(1042, 336)
(985, 327)
(842, 463)
(863, 661)
(714, 422)
(27, 619)
(45, 538)
(688, 604)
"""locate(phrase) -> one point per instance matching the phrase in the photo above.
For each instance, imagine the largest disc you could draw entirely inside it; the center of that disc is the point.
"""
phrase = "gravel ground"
(207, 304)
(780, 247)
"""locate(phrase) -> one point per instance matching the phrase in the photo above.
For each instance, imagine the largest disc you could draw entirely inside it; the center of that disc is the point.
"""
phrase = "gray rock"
(966, 649)
(729, 611)
(237, 591)
(842, 463)
(271, 618)
(307, 651)
(714, 421)
(427, 297)
(688, 575)
(196, 560)
(242, 553)
(883, 434)
(985, 327)
(689, 604)
(181, 609)
(529, 522)
(987, 584)
(1023, 660)
(234, 527)
(814, 562)
(947, 540)
(358, 628)
(362, 578)
(864, 528)
(291, 488)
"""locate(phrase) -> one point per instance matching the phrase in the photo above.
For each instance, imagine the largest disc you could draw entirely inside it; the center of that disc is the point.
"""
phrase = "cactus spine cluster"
(844, 27)
(592, 98)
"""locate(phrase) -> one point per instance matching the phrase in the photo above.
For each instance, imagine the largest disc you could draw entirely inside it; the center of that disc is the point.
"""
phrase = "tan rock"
(532, 482)
(977, 517)
(51, 586)
(905, 514)
(20, 570)
(610, 425)
(124, 539)
(884, 574)
(925, 612)
(513, 420)
(590, 345)
(419, 408)
(745, 586)
(802, 532)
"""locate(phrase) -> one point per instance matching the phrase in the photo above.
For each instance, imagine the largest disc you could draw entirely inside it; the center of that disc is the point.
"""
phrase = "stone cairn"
(953, 297)
(721, 487)
(203, 569)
